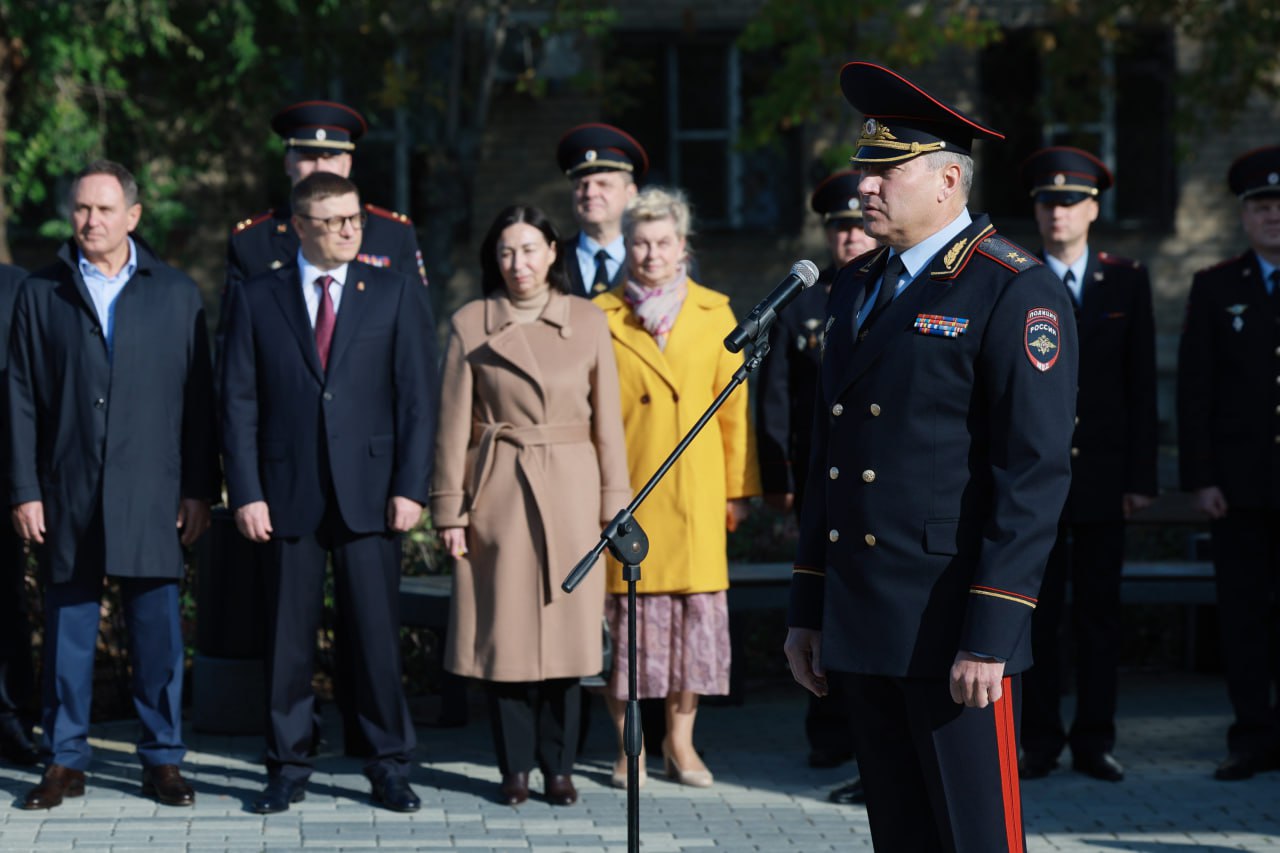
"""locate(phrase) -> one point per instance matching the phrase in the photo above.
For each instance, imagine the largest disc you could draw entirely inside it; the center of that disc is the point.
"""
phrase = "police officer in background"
(604, 164)
(1229, 454)
(1113, 468)
(786, 390)
(940, 467)
(319, 136)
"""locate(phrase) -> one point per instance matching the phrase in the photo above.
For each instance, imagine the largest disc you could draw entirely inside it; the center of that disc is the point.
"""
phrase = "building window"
(683, 99)
(1117, 104)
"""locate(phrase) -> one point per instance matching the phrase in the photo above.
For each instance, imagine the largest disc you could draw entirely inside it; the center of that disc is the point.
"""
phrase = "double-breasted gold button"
(1075, 451)
(837, 410)
(875, 410)
(833, 473)
(868, 476)
(834, 535)
(870, 539)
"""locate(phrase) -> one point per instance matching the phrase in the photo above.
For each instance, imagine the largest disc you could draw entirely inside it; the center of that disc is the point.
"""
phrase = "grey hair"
(653, 203)
(941, 159)
(109, 167)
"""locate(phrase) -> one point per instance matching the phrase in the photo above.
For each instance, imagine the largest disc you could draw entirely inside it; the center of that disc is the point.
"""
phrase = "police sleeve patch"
(1042, 339)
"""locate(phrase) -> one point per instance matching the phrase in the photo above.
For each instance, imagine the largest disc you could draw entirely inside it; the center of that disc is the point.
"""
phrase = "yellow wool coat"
(664, 392)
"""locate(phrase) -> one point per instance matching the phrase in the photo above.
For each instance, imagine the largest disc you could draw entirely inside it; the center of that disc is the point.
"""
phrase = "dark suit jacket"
(940, 464)
(296, 436)
(10, 278)
(128, 435)
(1114, 446)
(1228, 395)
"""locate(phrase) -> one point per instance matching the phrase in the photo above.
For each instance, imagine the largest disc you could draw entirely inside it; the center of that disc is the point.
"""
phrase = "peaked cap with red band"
(1064, 175)
(836, 198)
(590, 148)
(903, 120)
(1256, 173)
(319, 126)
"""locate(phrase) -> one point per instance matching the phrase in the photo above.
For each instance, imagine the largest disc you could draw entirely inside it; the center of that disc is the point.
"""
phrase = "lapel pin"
(359, 285)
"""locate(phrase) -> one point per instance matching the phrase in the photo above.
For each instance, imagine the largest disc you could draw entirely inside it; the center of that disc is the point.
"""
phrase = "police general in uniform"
(1229, 454)
(1113, 468)
(604, 163)
(941, 442)
(786, 390)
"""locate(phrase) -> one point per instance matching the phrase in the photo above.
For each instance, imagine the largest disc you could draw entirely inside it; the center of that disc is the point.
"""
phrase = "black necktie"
(601, 282)
(1274, 278)
(888, 288)
(1068, 280)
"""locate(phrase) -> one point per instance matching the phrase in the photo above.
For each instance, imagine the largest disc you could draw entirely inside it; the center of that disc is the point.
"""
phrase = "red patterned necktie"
(324, 320)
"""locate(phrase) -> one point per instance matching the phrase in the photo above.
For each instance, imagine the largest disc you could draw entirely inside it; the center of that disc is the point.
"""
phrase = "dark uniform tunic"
(941, 442)
(1113, 453)
(1229, 437)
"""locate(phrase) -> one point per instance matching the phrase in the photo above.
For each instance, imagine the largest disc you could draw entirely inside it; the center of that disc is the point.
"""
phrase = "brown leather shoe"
(164, 783)
(560, 790)
(58, 782)
(515, 789)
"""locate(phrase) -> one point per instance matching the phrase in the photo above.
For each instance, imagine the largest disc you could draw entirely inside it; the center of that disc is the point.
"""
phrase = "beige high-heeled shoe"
(619, 777)
(693, 778)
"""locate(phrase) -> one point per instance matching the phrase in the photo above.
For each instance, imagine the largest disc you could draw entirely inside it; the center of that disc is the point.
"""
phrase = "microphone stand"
(627, 542)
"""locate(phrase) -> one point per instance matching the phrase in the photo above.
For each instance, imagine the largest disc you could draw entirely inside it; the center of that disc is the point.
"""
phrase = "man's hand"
(403, 514)
(28, 521)
(454, 540)
(193, 520)
(736, 512)
(975, 681)
(1211, 502)
(1132, 503)
(804, 655)
(253, 520)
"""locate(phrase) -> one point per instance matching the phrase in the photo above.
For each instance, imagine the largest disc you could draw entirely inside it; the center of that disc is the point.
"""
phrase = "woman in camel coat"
(530, 463)
(667, 334)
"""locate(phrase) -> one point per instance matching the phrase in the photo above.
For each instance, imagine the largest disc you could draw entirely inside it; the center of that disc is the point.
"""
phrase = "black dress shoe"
(1240, 765)
(58, 782)
(849, 795)
(278, 795)
(15, 745)
(1036, 765)
(515, 789)
(164, 783)
(560, 790)
(825, 758)
(393, 792)
(1099, 765)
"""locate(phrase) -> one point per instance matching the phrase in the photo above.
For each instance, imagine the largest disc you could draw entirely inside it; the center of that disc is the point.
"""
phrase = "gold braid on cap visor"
(1065, 188)
(601, 163)
(882, 138)
(328, 144)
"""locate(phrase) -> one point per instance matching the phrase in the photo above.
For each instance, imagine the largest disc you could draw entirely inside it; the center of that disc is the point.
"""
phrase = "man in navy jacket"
(328, 419)
(111, 441)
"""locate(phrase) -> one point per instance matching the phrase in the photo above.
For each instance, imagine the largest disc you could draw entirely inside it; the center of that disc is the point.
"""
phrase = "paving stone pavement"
(1171, 734)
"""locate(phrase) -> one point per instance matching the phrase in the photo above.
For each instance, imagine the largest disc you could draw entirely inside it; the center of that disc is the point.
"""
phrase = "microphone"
(803, 275)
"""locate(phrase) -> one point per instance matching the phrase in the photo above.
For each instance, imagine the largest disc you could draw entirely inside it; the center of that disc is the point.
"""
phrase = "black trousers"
(826, 723)
(938, 776)
(366, 570)
(17, 675)
(536, 722)
(1246, 562)
(1092, 556)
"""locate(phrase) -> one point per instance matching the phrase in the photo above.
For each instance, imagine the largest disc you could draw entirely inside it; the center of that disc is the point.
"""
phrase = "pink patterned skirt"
(683, 644)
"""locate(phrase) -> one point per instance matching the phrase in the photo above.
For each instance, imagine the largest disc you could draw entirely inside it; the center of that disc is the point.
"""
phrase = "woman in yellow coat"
(667, 338)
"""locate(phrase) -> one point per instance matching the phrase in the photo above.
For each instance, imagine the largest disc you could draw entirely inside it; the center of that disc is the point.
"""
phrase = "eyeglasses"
(334, 224)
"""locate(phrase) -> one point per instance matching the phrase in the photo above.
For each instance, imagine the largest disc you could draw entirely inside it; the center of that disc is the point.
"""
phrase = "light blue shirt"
(915, 259)
(1060, 270)
(105, 291)
(311, 293)
(1267, 269)
(586, 252)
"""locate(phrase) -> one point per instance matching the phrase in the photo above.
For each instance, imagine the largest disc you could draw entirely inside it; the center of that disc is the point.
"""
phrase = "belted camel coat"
(530, 459)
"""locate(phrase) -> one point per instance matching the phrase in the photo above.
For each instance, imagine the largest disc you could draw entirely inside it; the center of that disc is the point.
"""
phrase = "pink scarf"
(657, 307)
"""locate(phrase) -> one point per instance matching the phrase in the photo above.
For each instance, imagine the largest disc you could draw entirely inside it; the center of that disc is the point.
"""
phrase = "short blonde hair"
(653, 203)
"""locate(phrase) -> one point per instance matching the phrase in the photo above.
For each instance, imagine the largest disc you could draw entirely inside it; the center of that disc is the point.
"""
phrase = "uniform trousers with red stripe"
(939, 776)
